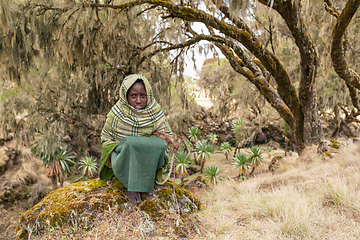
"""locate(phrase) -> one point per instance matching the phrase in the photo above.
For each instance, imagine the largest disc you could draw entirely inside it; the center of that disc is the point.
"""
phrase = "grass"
(308, 198)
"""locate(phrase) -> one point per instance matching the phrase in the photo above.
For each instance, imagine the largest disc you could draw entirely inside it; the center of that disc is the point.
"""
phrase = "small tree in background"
(182, 161)
(213, 139)
(255, 157)
(241, 163)
(237, 128)
(194, 136)
(226, 148)
(212, 174)
(57, 165)
(203, 149)
(88, 165)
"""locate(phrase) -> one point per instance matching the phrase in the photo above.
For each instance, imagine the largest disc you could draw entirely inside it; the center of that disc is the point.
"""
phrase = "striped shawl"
(124, 120)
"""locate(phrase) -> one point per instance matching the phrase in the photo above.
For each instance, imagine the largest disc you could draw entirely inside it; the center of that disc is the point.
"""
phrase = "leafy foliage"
(213, 138)
(229, 91)
(57, 163)
(88, 165)
(237, 125)
(212, 174)
(226, 148)
(65, 159)
(241, 163)
(194, 133)
(182, 161)
(255, 157)
(203, 149)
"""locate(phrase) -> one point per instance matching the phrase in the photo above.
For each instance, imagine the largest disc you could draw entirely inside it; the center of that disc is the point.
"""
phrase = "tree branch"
(337, 53)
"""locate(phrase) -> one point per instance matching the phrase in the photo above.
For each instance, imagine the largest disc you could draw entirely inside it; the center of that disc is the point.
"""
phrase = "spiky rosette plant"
(203, 149)
(226, 148)
(88, 165)
(57, 165)
(182, 161)
(255, 157)
(241, 163)
(213, 139)
(212, 174)
(194, 134)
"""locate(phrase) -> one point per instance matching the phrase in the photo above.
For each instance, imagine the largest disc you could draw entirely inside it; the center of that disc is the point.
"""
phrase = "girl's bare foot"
(133, 196)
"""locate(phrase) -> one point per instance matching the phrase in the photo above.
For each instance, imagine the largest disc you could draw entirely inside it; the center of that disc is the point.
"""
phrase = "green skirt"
(135, 161)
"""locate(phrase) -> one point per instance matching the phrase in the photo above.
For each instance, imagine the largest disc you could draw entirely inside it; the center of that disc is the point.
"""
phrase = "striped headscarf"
(124, 120)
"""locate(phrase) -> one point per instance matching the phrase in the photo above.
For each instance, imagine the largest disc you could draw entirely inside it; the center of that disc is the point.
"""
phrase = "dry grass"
(308, 198)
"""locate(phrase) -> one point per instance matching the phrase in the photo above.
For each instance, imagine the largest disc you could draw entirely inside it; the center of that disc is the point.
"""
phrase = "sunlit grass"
(310, 197)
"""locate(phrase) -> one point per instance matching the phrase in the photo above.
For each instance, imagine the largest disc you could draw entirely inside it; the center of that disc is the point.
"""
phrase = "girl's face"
(136, 96)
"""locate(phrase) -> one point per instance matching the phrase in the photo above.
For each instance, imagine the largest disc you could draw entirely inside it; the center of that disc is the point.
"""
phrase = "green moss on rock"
(334, 143)
(79, 204)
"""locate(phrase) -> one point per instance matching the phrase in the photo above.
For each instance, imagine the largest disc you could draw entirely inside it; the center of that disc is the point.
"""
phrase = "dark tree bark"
(351, 77)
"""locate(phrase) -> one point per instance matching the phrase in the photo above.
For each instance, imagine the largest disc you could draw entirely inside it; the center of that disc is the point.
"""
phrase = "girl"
(130, 152)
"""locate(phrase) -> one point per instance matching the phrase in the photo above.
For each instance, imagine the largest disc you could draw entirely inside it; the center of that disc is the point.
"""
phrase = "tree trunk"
(312, 123)
(54, 183)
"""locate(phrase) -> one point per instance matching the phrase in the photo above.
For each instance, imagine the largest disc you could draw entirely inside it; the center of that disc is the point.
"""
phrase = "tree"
(57, 164)
(241, 163)
(339, 47)
(203, 149)
(212, 174)
(230, 93)
(241, 30)
(182, 161)
(57, 70)
(226, 148)
(255, 157)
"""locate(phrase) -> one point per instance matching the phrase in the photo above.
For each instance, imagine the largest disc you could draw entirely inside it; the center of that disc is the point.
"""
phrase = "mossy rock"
(329, 147)
(274, 164)
(81, 204)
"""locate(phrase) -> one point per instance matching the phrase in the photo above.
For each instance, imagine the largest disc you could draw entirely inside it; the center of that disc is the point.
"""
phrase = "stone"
(83, 203)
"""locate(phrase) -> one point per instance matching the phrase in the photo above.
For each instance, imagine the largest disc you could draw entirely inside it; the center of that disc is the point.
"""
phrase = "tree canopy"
(102, 41)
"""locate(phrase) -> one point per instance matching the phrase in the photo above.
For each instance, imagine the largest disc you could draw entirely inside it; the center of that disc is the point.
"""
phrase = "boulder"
(83, 203)
(260, 138)
(275, 162)
(329, 147)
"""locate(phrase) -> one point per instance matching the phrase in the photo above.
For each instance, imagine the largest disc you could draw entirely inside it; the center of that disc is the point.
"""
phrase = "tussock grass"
(310, 197)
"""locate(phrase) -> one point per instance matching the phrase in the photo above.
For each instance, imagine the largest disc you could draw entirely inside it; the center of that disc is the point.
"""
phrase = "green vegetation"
(255, 157)
(213, 139)
(194, 134)
(226, 148)
(182, 161)
(57, 164)
(203, 149)
(241, 163)
(88, 165)
(212, 174)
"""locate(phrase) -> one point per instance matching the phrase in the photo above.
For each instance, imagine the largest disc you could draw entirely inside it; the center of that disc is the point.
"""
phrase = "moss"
(165, 193)
(151, 208)
(80, 203)
(118, 184)
(74, 203)
(334, 143)
(274, 162)
(180, 192)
